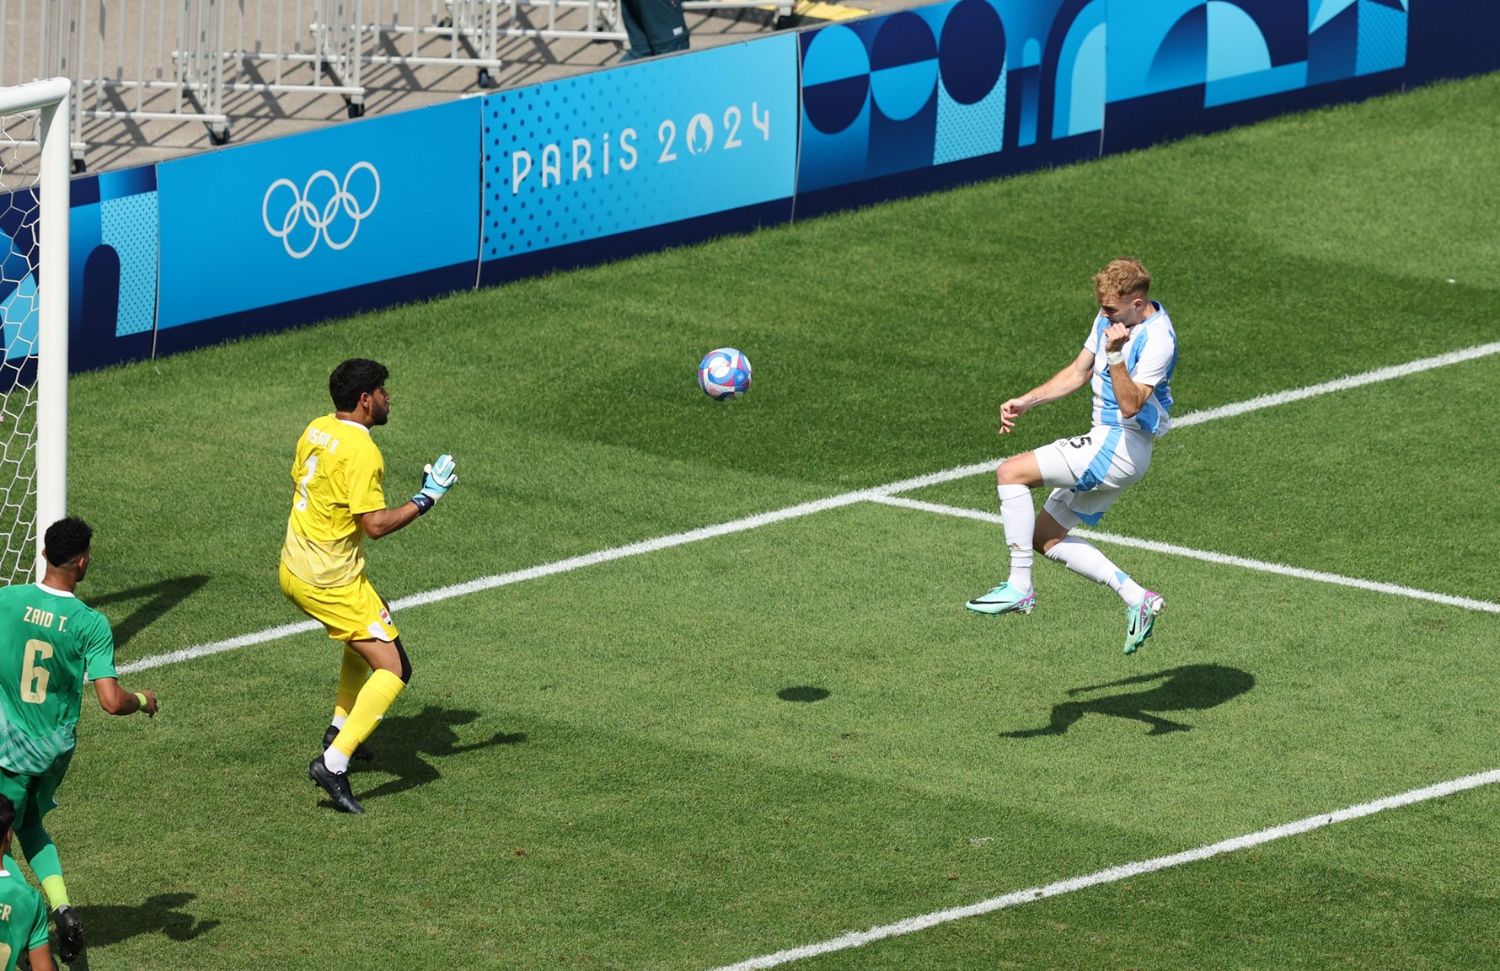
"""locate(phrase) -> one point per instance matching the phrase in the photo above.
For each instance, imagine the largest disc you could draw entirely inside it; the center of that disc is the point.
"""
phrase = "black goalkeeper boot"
(336, 784)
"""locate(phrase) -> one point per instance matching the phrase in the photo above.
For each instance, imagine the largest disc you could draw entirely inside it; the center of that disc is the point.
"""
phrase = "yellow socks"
(380, 691)
(352, 675)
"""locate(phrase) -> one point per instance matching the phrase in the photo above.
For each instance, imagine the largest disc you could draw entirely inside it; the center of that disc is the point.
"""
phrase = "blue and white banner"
(274, 222)
(641, 145)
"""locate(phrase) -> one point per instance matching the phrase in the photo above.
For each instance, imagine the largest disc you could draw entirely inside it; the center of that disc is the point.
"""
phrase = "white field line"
(1238, 408)
(519, 576)
(1341, 384)
(1208, 556)
(792, 512)
(1116, 873)
(202, 650)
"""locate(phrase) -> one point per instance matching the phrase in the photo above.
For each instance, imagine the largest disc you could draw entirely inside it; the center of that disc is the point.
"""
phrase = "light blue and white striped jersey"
(1150, 357)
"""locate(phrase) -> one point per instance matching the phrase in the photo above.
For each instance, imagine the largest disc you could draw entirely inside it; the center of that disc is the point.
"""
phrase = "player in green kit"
(23, 916)
(49, 641)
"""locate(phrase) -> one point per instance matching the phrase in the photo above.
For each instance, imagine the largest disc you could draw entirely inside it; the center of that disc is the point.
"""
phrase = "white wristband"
(1114, 357)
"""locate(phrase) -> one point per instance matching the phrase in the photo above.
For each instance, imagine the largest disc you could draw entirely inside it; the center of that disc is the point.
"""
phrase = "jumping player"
(1128, 359)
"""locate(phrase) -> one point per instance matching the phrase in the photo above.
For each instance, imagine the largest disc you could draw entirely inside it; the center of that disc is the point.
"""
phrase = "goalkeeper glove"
(440, 477)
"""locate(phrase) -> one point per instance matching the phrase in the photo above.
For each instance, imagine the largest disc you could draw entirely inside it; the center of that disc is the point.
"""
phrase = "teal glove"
(440, 477)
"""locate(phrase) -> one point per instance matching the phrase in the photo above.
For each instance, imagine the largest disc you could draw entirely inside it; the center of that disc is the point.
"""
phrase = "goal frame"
(51, 100)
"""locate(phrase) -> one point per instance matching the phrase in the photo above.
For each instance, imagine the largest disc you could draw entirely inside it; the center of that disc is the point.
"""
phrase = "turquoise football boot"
(1004, 599)
(1140, 620)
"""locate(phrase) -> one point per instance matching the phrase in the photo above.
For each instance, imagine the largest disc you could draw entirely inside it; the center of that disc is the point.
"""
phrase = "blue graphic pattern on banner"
(638, 146)
(933, 85)
(114, 252)
(113, 267)
(908, 91)
(1243, 49)
(370, 201)
(1081, 82)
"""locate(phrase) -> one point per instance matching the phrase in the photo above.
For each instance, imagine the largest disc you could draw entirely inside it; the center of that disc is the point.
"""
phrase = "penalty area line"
(879, 493)
(1208, 556)
(911, 925)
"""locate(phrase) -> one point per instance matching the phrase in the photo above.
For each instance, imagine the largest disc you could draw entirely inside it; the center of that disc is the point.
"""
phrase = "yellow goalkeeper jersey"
(336, 476)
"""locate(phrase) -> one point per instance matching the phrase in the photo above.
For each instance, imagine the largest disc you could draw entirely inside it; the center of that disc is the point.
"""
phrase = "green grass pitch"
(694, 756)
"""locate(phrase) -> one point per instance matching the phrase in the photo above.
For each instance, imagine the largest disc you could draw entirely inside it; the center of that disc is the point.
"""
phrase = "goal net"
(35, 167)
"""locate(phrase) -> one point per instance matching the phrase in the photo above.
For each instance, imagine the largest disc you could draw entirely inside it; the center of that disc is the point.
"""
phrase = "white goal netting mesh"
(19, 253)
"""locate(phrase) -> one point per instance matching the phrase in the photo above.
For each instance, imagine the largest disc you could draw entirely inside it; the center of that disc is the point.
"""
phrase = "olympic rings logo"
(320, 219)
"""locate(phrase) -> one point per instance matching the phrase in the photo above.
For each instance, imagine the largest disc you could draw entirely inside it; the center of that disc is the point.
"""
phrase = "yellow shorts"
(353, 612)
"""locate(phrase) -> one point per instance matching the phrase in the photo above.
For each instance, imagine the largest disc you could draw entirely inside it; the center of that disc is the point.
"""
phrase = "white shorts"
(1089, 472)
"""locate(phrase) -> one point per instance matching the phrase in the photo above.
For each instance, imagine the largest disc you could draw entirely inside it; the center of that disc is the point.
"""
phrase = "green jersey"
(23, 919)
(49, 641)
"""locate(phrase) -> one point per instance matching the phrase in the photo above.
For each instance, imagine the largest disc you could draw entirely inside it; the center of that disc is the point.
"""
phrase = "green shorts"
(32, 795)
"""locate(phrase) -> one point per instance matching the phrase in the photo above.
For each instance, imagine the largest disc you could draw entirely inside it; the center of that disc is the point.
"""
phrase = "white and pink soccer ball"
(724, 373)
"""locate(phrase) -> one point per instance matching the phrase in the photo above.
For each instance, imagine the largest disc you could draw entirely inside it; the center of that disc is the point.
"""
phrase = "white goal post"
(34, 312)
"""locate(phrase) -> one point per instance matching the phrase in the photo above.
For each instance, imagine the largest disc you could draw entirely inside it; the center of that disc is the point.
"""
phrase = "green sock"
(48, 869)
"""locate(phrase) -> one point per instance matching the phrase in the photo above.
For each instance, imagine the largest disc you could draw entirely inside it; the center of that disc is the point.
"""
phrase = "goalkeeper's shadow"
(404, 746)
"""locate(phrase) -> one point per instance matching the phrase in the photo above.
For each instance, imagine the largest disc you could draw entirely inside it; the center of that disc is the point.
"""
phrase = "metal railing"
(132, 69)
(203, 61)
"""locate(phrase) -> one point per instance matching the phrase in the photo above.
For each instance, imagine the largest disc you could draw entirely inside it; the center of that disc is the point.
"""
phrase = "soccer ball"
(724, 373)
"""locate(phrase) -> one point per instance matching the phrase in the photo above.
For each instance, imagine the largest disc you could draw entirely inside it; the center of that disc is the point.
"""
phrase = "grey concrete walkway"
(119, 143)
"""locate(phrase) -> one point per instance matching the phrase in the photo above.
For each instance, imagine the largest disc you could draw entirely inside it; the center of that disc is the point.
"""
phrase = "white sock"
(338, 721)
(1084, 559)
(337, 762)
(1019, 517)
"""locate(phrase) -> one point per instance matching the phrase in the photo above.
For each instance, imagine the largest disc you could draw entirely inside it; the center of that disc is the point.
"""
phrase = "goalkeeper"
(336, 502)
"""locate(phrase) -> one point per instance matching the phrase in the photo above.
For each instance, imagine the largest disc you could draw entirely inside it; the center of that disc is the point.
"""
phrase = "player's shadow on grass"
(404, 745)
(160, 597)
(1191, 687)
(108, 924)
